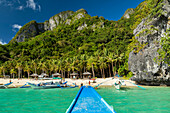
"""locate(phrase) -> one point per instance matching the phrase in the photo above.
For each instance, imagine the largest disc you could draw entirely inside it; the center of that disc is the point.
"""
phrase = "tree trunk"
(93, 71)
(80, 74)
(21, 73)
(35, 70)
(28, 74)
(113, 69)
(61, 74)
(68, 74)
(103, 73)
(119, 64)
(115, 65)
(64, 74)
(109, 71)
(18, 73)
(13, 75)
(4, 73)
(84, 69)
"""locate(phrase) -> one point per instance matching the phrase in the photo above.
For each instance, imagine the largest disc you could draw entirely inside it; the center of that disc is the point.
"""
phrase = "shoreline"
(106, 82)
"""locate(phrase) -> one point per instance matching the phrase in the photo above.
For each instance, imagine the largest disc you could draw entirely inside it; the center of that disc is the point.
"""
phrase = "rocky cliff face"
(146, 70)
(128, 12)
(33, 28)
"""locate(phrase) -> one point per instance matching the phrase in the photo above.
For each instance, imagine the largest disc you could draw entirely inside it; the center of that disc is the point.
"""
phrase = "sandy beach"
(105, 82)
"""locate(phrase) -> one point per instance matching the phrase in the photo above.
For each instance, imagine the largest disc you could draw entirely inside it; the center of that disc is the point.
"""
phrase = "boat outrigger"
(49, 85)
(5, 85)
(46, 85)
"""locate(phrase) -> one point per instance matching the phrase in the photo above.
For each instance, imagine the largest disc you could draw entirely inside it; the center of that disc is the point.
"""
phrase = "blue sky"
(16, 13)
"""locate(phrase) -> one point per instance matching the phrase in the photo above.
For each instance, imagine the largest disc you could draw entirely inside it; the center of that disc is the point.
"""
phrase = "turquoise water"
(133, 100)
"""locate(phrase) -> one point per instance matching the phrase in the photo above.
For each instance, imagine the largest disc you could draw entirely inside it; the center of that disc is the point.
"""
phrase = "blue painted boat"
(5, 85)
(88, 100)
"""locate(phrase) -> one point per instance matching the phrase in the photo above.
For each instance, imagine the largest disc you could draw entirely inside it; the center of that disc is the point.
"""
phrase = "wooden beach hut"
(74, 75)
(86, 74)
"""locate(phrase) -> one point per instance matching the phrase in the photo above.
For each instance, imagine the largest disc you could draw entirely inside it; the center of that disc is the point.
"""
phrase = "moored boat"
(119, 83)
(5, 85)
(46, 85)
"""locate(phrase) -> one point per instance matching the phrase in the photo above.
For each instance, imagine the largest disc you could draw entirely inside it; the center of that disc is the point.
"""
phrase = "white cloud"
(3, 43)
(31, 4)
(16, 26)
(39, 8)
(20, 8)
(21, 4)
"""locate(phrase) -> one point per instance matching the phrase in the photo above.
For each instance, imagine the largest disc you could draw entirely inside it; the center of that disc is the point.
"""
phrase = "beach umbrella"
(44, 74)
(56, 74)
(34, 75)
(86, 73)
(74, 73)
(40, 76)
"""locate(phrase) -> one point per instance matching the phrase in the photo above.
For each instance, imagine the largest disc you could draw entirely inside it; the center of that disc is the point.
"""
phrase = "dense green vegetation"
(164, 52)
(100, 50)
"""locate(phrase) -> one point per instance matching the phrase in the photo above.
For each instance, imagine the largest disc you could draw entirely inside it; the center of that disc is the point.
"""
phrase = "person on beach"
(81, 84)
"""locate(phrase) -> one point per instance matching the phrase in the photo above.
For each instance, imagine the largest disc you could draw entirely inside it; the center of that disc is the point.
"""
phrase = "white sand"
(105, 82)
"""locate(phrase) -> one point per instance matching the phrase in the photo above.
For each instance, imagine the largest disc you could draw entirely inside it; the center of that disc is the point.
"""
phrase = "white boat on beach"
(119, 83)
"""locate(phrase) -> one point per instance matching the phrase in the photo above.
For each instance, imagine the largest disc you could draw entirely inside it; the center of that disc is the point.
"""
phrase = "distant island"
(136, 46)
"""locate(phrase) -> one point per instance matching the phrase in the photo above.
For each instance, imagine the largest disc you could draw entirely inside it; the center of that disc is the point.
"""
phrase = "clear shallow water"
(134, 100)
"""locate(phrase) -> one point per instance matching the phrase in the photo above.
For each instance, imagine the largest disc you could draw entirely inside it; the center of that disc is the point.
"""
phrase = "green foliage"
(164, 53)
(66, 48)
(22, 30)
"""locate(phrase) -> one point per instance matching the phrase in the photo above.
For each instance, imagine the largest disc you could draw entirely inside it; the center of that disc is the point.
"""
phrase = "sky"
(16, 13)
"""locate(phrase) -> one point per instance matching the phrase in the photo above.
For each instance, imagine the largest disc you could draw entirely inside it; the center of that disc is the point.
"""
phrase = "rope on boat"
(102, 83)
(137, 85)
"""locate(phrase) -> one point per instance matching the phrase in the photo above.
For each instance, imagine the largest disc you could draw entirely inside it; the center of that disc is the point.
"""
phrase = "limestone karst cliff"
(33, 28)
(143, 64)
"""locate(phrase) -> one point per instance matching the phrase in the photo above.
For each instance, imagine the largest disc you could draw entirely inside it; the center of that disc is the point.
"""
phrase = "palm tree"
(27, 68)
(19, 66)
(34, 64)
(90, 63)
(68, 66)
(102, 65)
(111, 60)
(52, 65)
(12, 71)
(83, 60)
(3, 68)
(106, 55)
(74, 63)
(60, 64)
(120, 58)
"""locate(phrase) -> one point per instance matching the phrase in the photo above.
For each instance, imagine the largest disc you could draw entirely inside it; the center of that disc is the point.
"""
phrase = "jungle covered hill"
(76, 42)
